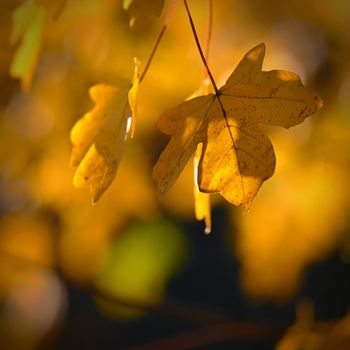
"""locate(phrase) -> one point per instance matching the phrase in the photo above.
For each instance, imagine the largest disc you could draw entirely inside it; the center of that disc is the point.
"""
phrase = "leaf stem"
(205, 62)
(160, 36)
(209, 32)
(214, 85)
(200, 48)
(213, 334)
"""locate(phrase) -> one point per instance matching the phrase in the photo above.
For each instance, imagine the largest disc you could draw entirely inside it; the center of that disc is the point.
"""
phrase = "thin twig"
(218, 327)
(173, 310)
(160, 36)
(212, 334)
(209, 32)
(200, 49)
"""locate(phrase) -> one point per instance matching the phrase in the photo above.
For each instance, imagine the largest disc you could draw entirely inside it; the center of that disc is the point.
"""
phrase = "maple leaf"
(98, 138)
(141, 11)
(236, 156)
(28, 27)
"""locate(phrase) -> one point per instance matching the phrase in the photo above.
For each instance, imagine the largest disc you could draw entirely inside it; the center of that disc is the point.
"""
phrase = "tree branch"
(160, 36)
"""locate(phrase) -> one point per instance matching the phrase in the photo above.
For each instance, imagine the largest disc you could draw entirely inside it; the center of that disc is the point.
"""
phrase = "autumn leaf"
(307, 333)
(141, 11)
(28, 26)
(236, 156)
(140, 263)
(98, 138)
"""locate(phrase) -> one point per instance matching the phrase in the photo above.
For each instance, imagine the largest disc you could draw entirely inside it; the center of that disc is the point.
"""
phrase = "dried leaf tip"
(256, 55)
(207, 229)
(258, 50)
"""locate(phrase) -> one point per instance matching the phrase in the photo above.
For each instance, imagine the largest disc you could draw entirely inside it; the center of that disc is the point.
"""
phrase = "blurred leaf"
(99, 137)
(310, 210)
(237, 157)
(29, 238)
(28, 26)
(34, 306)
(94, 228)
(310, 334)
(25, 241)
(55, 7)
(140, 264)
(141, 11)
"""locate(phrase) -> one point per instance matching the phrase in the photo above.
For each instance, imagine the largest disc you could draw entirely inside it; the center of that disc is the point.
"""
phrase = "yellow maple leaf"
(28, 27)
(141, 11)
(99, 137)
(236, 155)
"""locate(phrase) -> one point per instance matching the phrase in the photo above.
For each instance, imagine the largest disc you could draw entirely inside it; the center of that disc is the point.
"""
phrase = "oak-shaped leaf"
(99, 137)
(141, 12)
(236, 156)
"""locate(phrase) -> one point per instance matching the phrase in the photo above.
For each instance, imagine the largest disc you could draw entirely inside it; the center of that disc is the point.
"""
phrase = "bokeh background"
(133, 271)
